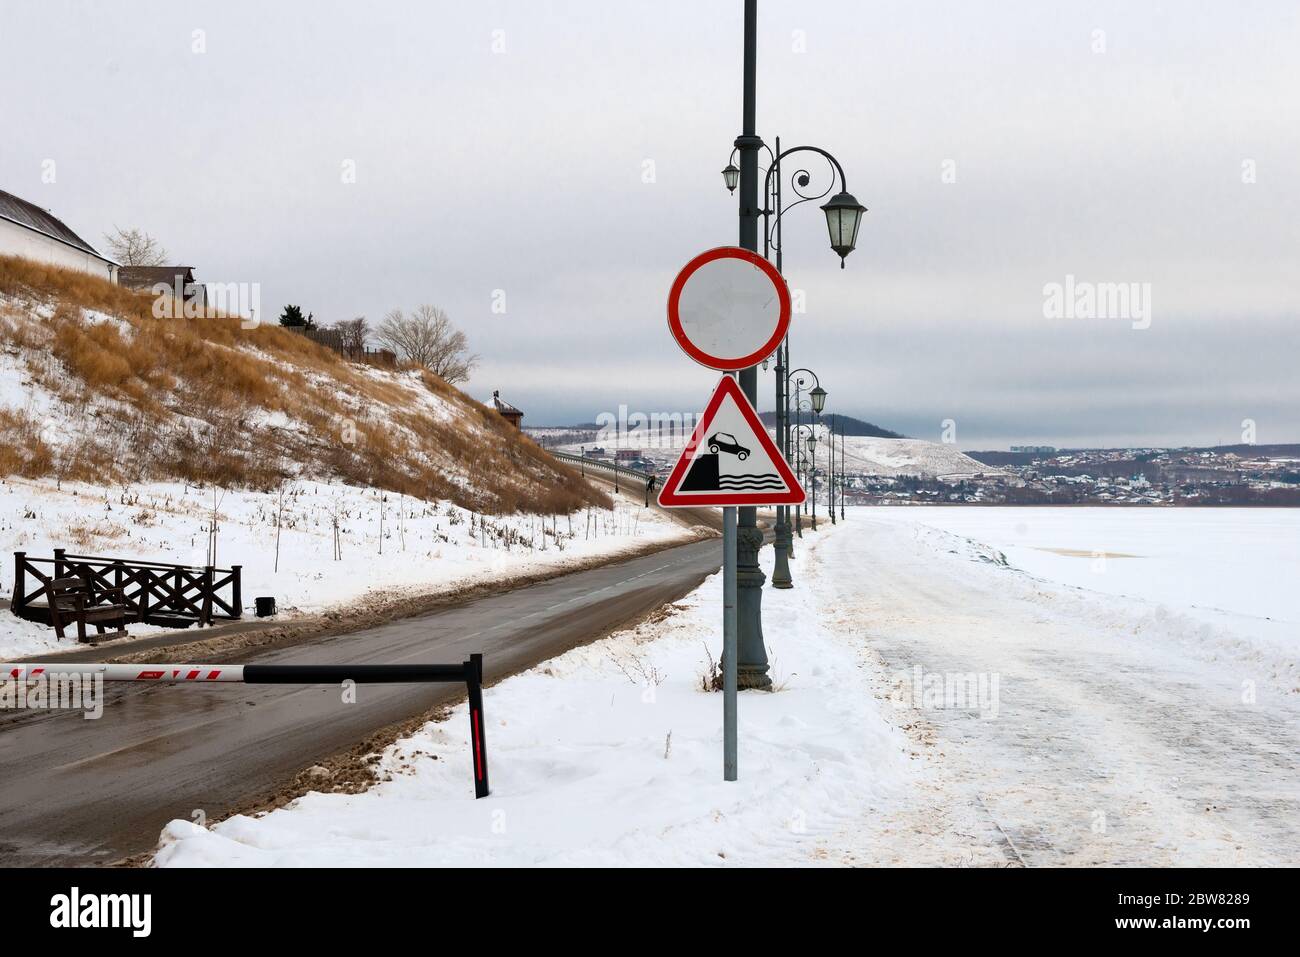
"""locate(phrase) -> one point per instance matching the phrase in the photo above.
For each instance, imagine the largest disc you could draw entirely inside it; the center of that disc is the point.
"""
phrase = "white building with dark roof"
(29, 231)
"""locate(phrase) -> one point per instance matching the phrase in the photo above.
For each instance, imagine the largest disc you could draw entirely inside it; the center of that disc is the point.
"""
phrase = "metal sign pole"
(730, 461)
(729, 644)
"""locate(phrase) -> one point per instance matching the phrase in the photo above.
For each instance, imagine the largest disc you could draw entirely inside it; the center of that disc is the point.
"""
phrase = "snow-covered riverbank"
(1217, 575)
(1123, 730)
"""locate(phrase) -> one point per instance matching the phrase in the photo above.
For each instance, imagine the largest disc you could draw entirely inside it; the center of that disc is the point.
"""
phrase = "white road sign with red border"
(728, 308)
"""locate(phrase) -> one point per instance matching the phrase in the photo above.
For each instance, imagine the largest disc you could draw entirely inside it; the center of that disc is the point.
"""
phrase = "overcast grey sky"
(1108, 141)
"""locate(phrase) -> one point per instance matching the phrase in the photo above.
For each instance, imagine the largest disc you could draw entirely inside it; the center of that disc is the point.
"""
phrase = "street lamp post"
(807, 480)
(792, 443)
(830, 472)
(839, 469)
(801, 466)
(814, 403)
(843, 474)
(751, 652)
(843, 217)
(812, 470)
(810, 443)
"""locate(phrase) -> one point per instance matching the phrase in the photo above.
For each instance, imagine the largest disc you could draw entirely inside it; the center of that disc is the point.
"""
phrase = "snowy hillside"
(888, 457)
(93, 387)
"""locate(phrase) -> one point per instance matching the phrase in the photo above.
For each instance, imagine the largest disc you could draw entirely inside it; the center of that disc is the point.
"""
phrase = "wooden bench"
(72, 600)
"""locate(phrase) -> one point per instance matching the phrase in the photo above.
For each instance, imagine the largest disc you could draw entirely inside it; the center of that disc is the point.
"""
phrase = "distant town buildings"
(1118, 477)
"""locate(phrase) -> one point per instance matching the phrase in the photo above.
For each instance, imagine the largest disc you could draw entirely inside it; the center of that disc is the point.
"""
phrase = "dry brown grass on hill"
(23, 451)
(205, 400)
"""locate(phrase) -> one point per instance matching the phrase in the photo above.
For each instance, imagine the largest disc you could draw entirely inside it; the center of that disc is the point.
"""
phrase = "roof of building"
(505, 408)
(19, 211)
(145, 276)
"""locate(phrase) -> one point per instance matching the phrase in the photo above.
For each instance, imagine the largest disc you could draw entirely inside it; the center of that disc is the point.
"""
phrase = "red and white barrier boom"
(471, 672)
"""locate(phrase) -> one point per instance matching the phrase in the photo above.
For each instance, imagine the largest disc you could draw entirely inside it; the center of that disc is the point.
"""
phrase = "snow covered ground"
(1125, 732)
(612, 755)
(425, 547)
(1228, 573)
(937, 705)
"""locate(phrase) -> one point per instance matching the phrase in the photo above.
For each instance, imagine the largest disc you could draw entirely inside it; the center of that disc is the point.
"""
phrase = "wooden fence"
(335, 340)
(154, 593)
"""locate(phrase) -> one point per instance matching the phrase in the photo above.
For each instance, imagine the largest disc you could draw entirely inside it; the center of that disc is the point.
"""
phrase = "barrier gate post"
(477, 738)
(470, 672)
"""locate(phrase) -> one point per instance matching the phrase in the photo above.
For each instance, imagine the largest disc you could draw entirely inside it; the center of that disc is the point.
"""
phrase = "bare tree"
(427, 337)
(135, 247)
(353, 333)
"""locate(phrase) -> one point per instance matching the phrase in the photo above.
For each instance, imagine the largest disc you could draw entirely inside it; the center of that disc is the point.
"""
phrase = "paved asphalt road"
(76, 792)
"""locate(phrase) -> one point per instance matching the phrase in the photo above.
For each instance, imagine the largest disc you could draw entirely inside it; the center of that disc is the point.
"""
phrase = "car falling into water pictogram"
(727, 443)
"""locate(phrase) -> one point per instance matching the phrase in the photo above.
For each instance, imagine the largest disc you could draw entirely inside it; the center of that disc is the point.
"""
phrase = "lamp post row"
(843, 218)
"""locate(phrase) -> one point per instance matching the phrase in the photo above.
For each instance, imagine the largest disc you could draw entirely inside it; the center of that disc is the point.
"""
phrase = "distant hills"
(846, 424)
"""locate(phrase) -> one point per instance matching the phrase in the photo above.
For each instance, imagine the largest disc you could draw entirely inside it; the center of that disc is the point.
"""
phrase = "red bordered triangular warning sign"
(730, 459)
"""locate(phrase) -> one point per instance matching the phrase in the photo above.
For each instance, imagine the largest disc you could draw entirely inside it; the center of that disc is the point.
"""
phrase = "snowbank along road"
(85, 792)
